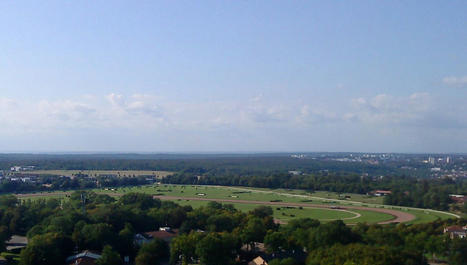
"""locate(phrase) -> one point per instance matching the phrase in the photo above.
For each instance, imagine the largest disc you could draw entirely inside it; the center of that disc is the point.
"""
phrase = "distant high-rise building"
(448, 160)
(431, 160)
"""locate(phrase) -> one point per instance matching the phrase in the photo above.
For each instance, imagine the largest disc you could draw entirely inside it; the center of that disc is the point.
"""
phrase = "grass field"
(332, 195)
(236, 193)
(370, 217)
(288, 213)
(278, 196)
(426, 216)
(122, 173)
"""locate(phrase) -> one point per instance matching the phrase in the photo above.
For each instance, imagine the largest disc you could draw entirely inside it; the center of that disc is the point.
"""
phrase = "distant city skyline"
(224, 76)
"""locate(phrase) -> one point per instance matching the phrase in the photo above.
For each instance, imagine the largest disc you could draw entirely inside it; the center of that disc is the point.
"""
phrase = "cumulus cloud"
(416, 110)
(311, 116)
(137, 104)
(7, 103)
(455, 81)
(253, 120)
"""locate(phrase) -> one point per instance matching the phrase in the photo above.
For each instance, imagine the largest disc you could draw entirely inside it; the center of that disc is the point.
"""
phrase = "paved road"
(399, 216)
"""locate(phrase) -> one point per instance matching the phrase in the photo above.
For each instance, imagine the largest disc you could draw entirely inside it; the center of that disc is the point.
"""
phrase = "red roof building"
(456, 231)
(165, 235)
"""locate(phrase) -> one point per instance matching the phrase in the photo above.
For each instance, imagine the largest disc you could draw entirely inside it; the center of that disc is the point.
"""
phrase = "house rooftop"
(162, 234)
(258, 261)
(16, 242)
(454, 228)
(84, 254)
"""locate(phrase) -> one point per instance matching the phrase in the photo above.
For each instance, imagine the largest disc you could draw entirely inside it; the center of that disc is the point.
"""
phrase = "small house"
(456, 231)
(164, 233)
(380, 193)
(83, 258)
(258, 261)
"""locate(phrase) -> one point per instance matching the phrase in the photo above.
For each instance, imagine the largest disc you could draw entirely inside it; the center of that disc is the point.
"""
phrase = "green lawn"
(286, 213)
(335, 195)
(278, 195)
(369, 217)
(426, 216)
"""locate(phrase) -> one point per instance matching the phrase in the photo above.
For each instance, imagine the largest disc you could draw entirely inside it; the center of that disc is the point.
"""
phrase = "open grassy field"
(209, 192)
(245, 199)
(331, 195)
(426, 216)
(238, 193)
(340, 196)
(288, 213)
(122, 173)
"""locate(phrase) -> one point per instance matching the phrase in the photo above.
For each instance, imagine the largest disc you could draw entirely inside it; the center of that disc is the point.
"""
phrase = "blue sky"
(233, 76)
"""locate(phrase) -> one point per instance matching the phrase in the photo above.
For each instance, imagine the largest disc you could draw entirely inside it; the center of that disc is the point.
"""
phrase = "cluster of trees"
(426, 193)
(58, 228)
(213, 234)
(231, 165)
(52, 182)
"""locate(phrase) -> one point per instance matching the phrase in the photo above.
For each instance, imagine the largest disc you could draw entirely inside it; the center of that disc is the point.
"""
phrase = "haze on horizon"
(233, 76)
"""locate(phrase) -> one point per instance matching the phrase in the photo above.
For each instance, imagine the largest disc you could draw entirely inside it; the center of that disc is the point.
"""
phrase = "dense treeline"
(426, 193)
(407, 191)
(240, 165)
(213, 234)
(51, 183)
(266, 171)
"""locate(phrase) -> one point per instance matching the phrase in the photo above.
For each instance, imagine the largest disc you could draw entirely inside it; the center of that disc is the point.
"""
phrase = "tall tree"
(152, 253)
(109, 257)
(46, 249)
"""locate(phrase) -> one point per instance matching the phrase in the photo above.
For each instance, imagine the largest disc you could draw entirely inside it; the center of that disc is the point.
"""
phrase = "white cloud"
(416, 110)
(250, 121)
(455, 81)
(313, 116)
(7, 103)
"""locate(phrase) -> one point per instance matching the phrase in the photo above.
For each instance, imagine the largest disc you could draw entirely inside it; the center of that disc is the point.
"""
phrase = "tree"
(95, 236)
(126, 240)
(183, 248)
(140, 200)
(458, 253)
(331, 233)
(4, 235)
(109, 257)
(254, 231)
(46, 249)
(217, 248)
(220, 223)
(152, 253)
(435, 245)
(363, 255)
(286, 261)
(275, 241)
(262, 211)
(8, 201)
